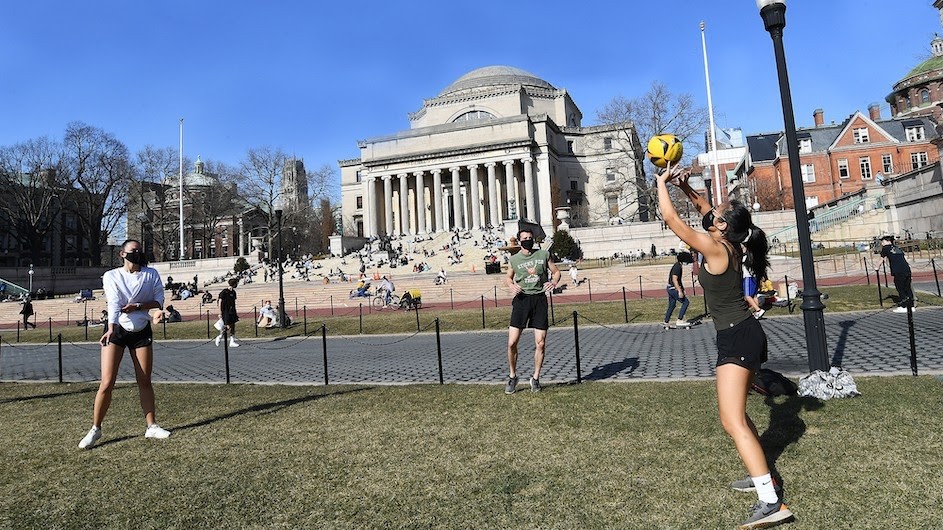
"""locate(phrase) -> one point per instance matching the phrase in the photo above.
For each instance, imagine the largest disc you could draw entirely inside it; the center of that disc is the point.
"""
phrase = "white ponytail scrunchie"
(749, 234)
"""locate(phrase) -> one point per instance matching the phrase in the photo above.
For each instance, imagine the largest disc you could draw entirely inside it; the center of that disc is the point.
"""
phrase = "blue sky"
(314, 77)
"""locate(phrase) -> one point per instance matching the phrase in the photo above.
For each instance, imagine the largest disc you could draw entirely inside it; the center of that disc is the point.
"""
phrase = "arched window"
(474, 115)
(924, 96)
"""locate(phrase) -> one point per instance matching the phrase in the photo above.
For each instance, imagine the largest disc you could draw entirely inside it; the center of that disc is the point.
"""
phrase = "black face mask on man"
(527, 244)
(135, 256)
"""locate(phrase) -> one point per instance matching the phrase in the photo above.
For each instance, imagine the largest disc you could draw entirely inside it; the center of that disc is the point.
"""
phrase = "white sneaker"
(93, 435)
(233, 343)
(900, 309)
(759, 314)
(218, 339)
(682, 323)
(155, 431)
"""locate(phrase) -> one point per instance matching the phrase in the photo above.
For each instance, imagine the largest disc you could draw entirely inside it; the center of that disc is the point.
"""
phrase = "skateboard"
(673, 326)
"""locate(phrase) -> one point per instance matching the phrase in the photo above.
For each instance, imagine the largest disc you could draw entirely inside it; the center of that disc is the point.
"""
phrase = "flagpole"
(180, 176)
(710, 112)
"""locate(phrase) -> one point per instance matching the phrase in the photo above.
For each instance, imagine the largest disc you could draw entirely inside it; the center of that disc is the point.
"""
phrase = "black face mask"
(527, 244)
(135, 257)
(707, 222)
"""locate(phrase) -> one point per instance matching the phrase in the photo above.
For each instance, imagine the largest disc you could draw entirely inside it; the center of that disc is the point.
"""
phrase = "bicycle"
(379, 300)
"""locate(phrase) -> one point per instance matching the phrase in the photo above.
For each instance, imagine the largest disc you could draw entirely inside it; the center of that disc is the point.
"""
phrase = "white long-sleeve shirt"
(123, 287)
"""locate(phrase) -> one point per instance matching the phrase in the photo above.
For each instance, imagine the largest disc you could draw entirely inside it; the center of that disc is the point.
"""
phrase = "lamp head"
(773, 13)
(760, 4)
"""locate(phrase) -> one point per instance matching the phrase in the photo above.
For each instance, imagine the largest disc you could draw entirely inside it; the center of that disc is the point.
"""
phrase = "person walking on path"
(900, 270)
(531, 275)
(741, 341)
(131, 291)
(676, 291)
(27, 311)
(227, 312)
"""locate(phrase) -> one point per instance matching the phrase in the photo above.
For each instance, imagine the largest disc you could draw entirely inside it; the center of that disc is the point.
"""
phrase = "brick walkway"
(864, 343)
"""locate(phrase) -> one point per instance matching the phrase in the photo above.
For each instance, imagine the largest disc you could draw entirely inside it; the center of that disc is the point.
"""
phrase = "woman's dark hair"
(685, 257)
(740, 229)
(126, 241)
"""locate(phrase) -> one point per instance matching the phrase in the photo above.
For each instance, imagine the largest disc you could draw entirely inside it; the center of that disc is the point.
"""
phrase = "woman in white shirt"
(131, 291)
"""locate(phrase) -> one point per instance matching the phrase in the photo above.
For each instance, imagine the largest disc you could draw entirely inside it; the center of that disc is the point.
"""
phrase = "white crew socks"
(765, 489)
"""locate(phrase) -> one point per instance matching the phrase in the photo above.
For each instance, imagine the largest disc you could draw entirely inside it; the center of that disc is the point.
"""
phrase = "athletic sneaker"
(902, 309)
(93, 435)
(681, 323)
(218, 339)
(759, 314)
(534, 385)
(766, 515)
(155, 431)
(512, 385)
(233, 343)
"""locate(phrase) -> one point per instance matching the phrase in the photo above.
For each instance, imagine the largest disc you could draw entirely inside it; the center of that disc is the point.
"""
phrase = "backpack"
(772, 383)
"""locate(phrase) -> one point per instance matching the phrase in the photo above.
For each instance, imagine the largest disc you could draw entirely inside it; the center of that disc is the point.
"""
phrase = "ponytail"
(740, 229)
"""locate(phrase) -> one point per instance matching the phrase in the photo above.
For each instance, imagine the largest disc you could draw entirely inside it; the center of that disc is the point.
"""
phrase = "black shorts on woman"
(744, 344)
(132, 339)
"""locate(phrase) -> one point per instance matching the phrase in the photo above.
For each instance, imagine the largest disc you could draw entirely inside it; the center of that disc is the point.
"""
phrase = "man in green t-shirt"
(527, 279)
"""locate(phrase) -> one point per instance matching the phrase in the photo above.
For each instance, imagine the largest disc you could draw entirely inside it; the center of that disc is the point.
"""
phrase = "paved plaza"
(864, 343)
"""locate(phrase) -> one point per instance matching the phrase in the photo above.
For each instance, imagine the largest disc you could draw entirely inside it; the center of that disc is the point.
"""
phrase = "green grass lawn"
(469, 317)
(597, 455)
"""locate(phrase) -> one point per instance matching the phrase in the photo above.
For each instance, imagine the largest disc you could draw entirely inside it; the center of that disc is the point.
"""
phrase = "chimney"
(874, 111)
(819, 116)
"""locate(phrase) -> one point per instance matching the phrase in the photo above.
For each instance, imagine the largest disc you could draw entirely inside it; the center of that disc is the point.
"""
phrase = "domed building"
(497, 145)
(920, 92)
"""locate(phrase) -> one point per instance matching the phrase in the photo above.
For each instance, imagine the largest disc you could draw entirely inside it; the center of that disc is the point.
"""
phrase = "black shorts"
(132, 339)
(744, 344)
(529, 311)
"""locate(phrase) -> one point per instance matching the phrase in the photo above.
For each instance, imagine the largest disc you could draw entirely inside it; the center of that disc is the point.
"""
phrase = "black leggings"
(904, 290)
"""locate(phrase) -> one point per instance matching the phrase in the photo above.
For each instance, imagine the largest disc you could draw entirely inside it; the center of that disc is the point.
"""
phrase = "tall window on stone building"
(865, 164)
(919, 160)
(808, 173)
(359, 202)
(613, 202)
(607, 143)
(861, 135)
(569, 147)
(915, 133)
(610, 175)
(887, 164)
(843, 168)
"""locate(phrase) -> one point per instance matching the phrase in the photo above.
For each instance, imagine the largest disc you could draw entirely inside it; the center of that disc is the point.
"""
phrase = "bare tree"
(28, 178)
(154, 170)
(99, 168)
(260, 182)
(657, 111)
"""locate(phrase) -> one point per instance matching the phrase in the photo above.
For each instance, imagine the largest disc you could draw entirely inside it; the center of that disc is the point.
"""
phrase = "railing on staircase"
(825, 219)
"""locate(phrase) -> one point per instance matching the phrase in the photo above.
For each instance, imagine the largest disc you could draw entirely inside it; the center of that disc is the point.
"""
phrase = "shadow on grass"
(261, 408)
(92, 389)
(785, 426)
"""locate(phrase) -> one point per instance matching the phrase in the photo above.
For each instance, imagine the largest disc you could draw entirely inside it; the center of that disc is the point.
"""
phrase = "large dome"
(495, 76)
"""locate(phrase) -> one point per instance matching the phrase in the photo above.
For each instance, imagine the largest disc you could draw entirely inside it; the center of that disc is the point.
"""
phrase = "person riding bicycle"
(386, 285)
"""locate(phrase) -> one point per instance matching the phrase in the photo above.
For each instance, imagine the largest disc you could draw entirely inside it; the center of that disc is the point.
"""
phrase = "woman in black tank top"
(730, 241)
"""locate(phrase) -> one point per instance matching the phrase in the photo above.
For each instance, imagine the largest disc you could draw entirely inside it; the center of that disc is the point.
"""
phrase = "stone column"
(531, 207)
(492, 195)
(475, 197)
(510, 184)
(456, 199)
(543, 208)
(370, 208)
(437, 199)
(420, 203)
(239, 238)
(403, 203)
(388, 202)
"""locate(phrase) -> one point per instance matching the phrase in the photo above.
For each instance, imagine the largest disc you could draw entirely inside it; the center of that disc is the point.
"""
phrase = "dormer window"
(861, 135)
(805, 145)
(915, 133)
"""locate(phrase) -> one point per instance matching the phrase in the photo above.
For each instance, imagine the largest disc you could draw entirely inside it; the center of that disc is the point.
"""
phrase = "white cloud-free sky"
(314, 77)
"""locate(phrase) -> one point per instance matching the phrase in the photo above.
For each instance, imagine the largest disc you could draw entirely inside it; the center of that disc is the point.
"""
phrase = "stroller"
(411, 299)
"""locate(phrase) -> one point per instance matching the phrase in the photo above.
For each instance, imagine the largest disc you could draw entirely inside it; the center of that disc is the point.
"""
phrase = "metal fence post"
(640, 295)
(207, 323)
(304, 310)
(324, 349)
(255, 320)
(877, 275)
(226, 351)
(625, 305)
(935, 277)
(60, 357)
(438, 348)
(576, 343)
(50, 329)
(589, 286)
(361, 318)
(482, 311)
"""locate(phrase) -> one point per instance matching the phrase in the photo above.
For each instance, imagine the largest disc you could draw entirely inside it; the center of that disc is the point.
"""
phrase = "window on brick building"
(915, 133)
(805, 145)
(924, 96)
(861, 135)
(887, 164)
(865, 164)
(919, 160)
(843, 168)
(808, 173)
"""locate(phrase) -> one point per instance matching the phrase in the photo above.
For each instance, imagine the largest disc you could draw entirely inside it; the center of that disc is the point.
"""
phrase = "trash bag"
(835, 383)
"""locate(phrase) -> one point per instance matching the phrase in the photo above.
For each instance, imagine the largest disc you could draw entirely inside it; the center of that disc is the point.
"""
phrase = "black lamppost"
(773, 13)
(281, 287)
